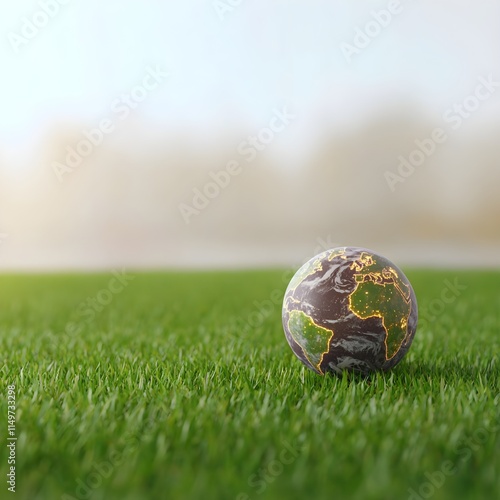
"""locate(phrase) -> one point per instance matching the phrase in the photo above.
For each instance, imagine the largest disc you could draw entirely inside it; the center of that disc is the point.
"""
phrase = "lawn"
(182, 386)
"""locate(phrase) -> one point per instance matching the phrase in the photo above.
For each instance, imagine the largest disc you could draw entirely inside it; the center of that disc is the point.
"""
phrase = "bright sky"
(260, 56)
(227, 78)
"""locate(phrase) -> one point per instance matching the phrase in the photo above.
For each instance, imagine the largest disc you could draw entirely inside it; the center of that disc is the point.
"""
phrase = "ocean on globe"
(349, 309)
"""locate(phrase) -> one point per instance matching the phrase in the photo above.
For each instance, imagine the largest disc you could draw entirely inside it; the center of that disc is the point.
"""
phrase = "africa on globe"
(349, 309)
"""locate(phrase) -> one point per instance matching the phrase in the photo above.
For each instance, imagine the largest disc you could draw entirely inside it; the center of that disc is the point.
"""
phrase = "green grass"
(168, 393)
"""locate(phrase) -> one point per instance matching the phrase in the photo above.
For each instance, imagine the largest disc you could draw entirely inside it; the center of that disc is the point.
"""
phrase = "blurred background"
(201, 134)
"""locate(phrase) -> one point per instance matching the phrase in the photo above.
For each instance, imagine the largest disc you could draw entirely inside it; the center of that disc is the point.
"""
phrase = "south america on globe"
(349, 309)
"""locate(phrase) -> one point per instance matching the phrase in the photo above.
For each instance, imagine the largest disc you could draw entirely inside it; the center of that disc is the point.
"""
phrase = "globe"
(349, 309)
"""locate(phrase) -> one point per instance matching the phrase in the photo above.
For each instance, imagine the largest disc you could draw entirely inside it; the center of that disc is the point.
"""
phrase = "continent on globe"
(368, 300)
(313, 339)
(349, 309)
